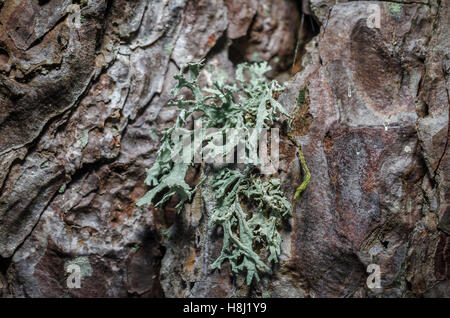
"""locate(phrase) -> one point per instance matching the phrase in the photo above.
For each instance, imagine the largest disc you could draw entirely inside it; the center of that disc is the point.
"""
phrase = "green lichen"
(396, 8)
(243, 231)
(45, 164)
(62, 189)
(153, 134)
(251, 239)
(168, 49)
(266, 295)
(301, 99)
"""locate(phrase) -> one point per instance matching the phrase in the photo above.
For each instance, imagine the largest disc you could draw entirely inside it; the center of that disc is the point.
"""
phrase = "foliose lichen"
(251, 239)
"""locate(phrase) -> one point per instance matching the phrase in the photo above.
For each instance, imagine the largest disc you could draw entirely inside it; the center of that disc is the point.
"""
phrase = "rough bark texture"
(77, 102)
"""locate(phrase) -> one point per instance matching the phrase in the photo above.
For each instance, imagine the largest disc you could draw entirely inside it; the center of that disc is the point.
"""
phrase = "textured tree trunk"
(84, 87)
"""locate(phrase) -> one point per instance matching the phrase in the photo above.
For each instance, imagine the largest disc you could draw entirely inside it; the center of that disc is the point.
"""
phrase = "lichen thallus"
(250, 104)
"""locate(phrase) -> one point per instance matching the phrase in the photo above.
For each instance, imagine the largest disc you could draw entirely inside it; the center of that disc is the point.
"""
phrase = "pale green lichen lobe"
(251, 239)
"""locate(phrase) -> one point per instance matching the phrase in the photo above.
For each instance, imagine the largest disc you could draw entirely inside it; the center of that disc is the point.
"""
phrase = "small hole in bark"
(4, 264)
(42, 2)
(4, 56)
(385, 244)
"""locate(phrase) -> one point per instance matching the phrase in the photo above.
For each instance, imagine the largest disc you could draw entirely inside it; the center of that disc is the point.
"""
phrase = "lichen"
(301, 99)
(243, 231)
(168, 49)
(251, 239)
(84, 138)
(62, 189)
(83, 263)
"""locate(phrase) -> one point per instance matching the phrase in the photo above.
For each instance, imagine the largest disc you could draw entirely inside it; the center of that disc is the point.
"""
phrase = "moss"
(304, 119)
(396, 8)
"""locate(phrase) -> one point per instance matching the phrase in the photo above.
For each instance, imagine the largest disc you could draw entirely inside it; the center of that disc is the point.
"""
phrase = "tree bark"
(84, 88)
